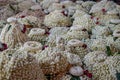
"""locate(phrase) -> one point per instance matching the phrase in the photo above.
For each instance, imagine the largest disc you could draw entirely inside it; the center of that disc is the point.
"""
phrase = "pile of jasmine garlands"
(59, 40)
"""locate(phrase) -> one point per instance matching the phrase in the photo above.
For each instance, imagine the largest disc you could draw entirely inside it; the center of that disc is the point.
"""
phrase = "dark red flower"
(45, 46)
(89, 75)
(22, 16)
(47, 32)
(84, 46)
(24, 29)
(103, 10)
(92, 17)
(97, 22)
(4, 47)
(86, 72)
(65, 14)
(97, 18)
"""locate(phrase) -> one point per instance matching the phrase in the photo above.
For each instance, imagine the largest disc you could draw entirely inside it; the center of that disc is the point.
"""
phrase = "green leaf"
(11, 7)
(109, 53)
(75, 78)
(115, 38)
(4, 23)
(43, 42)
(118, 76)
(9, 27)
(89, 32)
(118, 52)
(9, 56)
(72, 19)
(91, 13)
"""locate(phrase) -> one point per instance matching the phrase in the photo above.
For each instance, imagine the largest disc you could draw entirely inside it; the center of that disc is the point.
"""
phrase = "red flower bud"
(97, 22)
(63, 12)
(84, 46)
(45, 46)
(89, 75)
(24, 29)
(103, 10)
(47, 33)
(92, 17)
(97, 18)
(22, 16)
(4, 47)
(86, 72)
